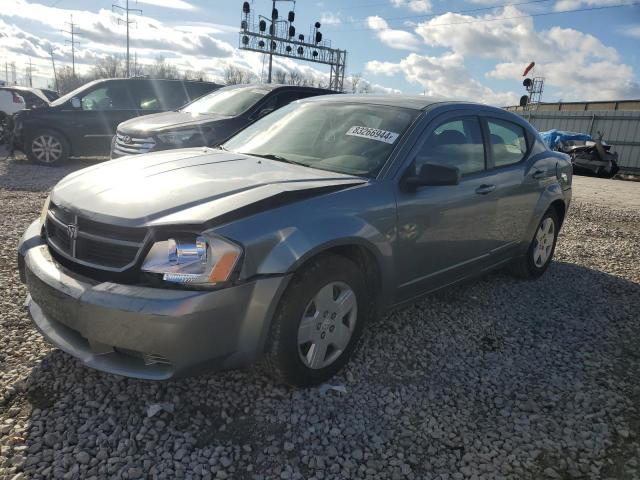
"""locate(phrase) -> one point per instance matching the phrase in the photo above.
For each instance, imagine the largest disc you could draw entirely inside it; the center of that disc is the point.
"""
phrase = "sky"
(463, 49)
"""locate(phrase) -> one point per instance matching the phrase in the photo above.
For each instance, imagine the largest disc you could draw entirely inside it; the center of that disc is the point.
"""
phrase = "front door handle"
(484, 189)
(538, 174)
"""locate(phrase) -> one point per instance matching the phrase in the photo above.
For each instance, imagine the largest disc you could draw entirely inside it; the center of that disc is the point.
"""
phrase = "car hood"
(167, 121)
(189, 186)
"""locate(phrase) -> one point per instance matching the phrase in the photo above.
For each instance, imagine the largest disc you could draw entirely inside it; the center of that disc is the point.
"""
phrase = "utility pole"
(55, 75)
(127, 22)
(29, 73)
(273, 34)
(72, 31)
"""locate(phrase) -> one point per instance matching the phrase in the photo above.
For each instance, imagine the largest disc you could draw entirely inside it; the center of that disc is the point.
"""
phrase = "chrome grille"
(128, 145)
(93, 244)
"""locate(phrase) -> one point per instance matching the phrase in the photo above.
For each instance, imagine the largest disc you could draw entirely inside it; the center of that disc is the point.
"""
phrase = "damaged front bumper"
(142, 332)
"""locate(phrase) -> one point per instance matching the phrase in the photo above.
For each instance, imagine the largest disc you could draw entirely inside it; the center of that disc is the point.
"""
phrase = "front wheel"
(318, 322)
(540, 252)
(47, 147)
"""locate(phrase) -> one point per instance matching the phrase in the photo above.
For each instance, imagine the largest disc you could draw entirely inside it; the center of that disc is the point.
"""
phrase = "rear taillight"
(17, 98)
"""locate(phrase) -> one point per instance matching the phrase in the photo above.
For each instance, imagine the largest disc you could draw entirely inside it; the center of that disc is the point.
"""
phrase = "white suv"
(11, 102)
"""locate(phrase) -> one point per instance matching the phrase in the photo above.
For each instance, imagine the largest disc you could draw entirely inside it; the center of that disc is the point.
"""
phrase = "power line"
(498, 19)
(73, 32)
(426, 15)
(127, 22)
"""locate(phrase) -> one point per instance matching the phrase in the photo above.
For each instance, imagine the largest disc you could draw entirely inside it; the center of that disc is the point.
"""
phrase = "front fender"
(279, 241)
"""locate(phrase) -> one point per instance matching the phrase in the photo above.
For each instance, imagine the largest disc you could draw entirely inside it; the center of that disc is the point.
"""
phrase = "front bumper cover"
(143, 332)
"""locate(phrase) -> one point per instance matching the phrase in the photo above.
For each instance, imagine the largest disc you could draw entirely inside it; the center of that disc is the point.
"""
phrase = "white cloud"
(577, 64)
(329, 18)
(175, 4)
(442, 76)
(398, 39)
(187, 46)
(422, 6)
(632, 31)
(562, 5)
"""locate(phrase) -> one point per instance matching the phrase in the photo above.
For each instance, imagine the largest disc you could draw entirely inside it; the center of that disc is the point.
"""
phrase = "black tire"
(35, 148)
(283, 360)
(526, 266)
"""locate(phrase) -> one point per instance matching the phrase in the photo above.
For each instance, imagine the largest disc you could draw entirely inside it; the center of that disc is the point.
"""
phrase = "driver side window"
(456, 143)
(97, 99)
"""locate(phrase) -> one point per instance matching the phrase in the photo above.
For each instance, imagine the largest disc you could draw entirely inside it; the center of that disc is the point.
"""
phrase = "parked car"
(285, 241)
(208, 121)
(82, 122)
(33, 97)
(10, 102)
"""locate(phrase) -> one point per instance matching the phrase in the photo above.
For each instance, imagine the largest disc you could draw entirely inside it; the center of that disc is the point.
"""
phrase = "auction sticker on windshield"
(373, 133)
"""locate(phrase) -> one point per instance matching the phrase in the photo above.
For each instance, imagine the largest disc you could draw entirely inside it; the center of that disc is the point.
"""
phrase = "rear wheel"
(47, 147)
(540, 252)
(318, 322)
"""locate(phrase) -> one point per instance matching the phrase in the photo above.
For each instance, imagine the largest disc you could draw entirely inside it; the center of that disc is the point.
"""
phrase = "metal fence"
(620, 128)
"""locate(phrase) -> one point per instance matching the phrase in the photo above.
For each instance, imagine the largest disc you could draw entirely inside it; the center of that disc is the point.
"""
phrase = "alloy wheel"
(46, 148)
(545, 237)
(327, 325)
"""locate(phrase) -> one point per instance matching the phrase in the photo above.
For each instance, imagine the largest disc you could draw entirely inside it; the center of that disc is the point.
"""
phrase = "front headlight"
(206, 260)
(179, 137)
(45, 209)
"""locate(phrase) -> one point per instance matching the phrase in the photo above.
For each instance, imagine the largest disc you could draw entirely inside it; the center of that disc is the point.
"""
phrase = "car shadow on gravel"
(20, 174)
(497, 377)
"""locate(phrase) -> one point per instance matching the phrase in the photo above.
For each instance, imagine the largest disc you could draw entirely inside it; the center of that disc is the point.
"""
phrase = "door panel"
(102, 110)
(516, 193)
(444, 232)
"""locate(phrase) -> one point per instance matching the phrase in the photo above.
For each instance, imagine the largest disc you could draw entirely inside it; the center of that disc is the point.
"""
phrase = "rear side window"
(508, 142)
(109, 96)
(171, 95)
(456, 143)
(196, 89)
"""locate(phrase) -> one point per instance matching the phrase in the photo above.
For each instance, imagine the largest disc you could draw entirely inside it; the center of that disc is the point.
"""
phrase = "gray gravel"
(496, 378)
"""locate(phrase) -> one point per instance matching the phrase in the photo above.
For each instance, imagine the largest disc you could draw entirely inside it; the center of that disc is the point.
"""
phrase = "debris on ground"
(587, 155)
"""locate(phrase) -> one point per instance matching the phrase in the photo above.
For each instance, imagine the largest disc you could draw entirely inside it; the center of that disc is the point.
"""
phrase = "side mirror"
(75, 102)
(432, 175)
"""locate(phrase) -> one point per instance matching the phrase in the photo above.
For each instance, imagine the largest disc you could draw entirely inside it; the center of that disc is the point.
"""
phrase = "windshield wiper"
(278, 158)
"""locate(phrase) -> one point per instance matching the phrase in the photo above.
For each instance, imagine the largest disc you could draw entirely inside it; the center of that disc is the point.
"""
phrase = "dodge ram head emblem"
(127, 140)
(72, 230)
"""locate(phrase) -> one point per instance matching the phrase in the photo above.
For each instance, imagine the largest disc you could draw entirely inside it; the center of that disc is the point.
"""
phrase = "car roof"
(277, 86)
(148, 79)
(415, 102)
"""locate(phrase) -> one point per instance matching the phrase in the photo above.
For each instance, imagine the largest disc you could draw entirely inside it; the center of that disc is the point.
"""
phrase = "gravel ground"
(496, 378)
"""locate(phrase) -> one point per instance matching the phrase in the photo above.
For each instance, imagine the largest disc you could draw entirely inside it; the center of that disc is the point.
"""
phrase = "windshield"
(227, 101)
(353, 138)
(73, 93)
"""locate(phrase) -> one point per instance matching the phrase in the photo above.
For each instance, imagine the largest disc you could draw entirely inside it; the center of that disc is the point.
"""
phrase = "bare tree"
(161, 69)
(111, 66)
(233, 75)
(355, 80)
(366, 87)
(67, 81)
(199, 75)
(280, 76)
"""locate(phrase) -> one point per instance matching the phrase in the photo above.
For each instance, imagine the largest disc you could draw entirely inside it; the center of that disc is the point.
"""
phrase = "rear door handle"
(484, 189)
(539, 174)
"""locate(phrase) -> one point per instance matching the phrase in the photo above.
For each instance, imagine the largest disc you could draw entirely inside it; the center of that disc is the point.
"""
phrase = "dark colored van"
(82, 122)
(208, 121)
